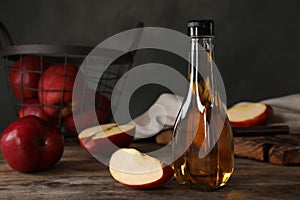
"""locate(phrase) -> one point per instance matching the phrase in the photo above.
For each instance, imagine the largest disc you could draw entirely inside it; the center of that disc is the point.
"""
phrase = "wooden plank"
(249, 148)
(280, 150)
(284, 155)
(164, 137)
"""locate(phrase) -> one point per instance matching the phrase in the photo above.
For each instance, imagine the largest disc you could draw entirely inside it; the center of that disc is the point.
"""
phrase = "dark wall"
(257, 41)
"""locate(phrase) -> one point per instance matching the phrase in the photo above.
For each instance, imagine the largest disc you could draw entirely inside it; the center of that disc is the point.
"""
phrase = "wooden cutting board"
(280, 149)
(276, 149)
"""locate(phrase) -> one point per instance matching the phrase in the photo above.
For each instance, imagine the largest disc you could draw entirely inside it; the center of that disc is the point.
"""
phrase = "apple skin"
(55, 88)
(33, 107)
(31, 144)
(70, 126)
(26, 79)
(269, 114)
(103, 146)
(168, 173)
(256, 121)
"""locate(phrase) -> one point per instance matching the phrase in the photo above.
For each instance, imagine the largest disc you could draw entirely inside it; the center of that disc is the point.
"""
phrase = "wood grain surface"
(80, 176)
(280, 150)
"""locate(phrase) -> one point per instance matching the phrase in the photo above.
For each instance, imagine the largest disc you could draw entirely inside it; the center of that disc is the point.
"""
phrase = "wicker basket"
(43, 54)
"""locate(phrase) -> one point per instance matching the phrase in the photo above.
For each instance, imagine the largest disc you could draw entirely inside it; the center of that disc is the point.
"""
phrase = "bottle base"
(200, 187)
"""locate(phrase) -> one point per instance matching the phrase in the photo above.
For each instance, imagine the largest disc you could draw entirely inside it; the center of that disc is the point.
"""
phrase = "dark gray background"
(257, 43)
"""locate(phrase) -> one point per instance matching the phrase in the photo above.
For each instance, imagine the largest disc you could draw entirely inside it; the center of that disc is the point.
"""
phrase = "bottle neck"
(206, 44)
(194, 61)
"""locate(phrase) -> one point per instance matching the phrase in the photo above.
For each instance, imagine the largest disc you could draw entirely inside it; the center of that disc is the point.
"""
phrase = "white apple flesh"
(137, 170)
(250, 114)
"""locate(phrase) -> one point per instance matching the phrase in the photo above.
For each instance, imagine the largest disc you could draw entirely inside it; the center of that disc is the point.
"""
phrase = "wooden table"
(80, 176)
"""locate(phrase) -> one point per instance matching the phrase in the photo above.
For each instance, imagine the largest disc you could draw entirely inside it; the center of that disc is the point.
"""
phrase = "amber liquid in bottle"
(192, 169)
(202, 159)
(226, 154)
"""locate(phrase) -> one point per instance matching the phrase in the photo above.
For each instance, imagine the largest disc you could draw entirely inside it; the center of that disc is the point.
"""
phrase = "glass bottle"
(202, 149)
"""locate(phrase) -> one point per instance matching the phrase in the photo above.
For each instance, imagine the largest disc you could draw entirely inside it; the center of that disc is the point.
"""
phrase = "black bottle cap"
(201, 28)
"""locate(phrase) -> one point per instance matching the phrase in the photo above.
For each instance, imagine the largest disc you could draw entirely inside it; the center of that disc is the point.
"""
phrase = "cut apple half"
(99, 138)
(250, 114)
(137, 170)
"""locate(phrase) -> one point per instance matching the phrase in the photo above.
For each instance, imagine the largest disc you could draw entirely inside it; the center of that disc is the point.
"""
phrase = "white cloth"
(162, 114)
(286, 111)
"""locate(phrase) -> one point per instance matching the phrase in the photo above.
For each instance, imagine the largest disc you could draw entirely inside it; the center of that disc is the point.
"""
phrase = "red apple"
(84, 119)
(100, 101)
(250, 114)
(33, 107)
(24, 76)
(137, 170)
(70, 126)
(103, 139)
(103, 106)
(55, 89)
(31, 144)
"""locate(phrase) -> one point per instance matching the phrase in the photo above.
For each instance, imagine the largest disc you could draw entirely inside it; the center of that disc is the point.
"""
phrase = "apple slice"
(250, 114)
(99, 139)
(137, 170)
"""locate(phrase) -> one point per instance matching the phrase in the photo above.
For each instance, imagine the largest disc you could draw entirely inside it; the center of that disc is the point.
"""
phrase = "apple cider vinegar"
(202, 145)
(195, 168)
(226, 154)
